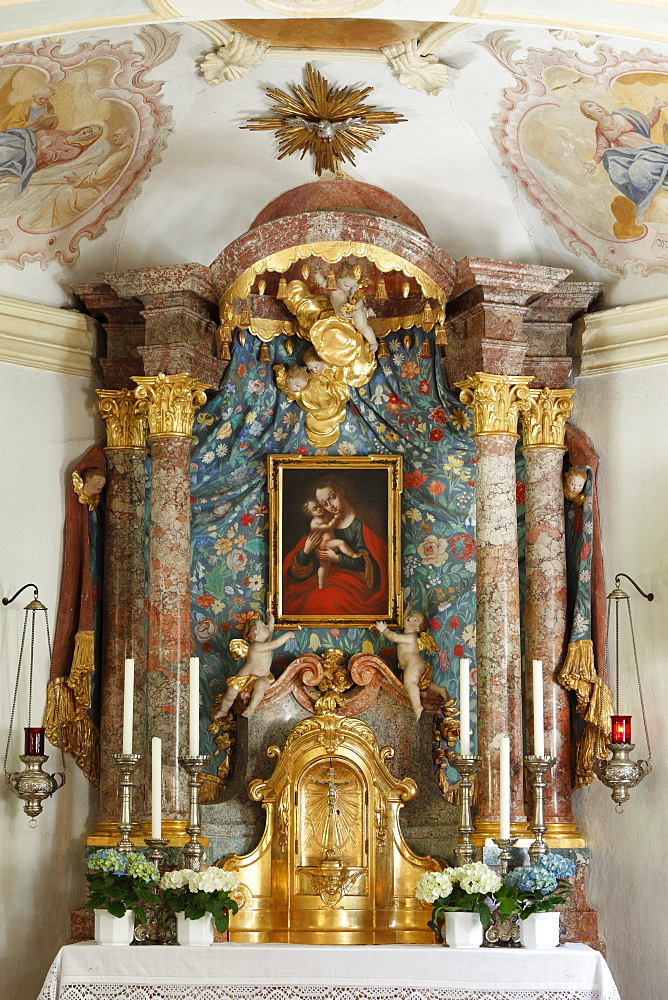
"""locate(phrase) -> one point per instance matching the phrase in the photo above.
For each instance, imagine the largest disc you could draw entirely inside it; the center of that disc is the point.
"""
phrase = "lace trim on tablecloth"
(110, 991)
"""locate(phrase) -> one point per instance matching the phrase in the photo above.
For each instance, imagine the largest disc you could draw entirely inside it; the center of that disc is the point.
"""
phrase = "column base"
(486, 829)
(562, 835)
(173, 830)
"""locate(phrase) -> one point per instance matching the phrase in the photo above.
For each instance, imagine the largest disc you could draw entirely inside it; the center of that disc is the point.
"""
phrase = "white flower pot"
(194, 932)
(462, 930)
(114, 930)
(540, 930)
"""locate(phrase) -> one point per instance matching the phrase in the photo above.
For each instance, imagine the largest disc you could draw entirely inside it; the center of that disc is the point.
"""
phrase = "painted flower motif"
(205, 629)
(255, 385)
(205, 600)
(221, 509)
(435, 487)
(413, 515)
(468, 636)
(217, 607)
(225, 430)
(302, 449)
(436, 434)
(410, 369)
(236, 560)
(438, 414)
(255, 582)
(520, 493)
(462, 546)
(433, 551)
(454, 622)
(413, 480)
(424, 387)
(584, 553)
(458, 650)
(435, 624)
(259, 510)
(247, 616)
(460, 419)
(223, 546)
(346, 448)
(246, 519)
(453, 464)
(208, 457)
(205, 418)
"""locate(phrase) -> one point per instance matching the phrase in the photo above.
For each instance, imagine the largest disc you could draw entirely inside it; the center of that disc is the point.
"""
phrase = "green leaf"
(140, 914)
(116, 908)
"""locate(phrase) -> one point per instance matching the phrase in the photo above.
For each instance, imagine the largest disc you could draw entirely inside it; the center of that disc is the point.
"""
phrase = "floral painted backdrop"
(406, 408)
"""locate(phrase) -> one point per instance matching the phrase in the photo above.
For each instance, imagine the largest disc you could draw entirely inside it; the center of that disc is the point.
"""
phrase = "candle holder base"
(467, 765)
(193, 851)
(505, 845)
(538, 767)
(126, 763)
(156, 849)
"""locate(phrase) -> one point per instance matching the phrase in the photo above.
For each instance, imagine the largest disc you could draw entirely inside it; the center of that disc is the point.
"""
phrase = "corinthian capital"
(544, 423)
(125, 423)
(497, 401)
(169, 402)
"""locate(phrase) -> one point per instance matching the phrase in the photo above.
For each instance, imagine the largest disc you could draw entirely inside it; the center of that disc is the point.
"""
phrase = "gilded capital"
(544, 423)
(125, 423)
(497, 401)
(169, 402)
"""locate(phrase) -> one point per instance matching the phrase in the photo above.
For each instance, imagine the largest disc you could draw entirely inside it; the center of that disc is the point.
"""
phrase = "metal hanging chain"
(635, 660)
(16, 686)
(605, 681)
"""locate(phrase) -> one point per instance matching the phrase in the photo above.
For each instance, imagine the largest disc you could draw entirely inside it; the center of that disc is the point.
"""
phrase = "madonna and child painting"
(335, 539)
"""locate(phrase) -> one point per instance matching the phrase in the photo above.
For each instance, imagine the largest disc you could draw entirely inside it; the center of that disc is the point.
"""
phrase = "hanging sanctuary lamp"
(32, 784)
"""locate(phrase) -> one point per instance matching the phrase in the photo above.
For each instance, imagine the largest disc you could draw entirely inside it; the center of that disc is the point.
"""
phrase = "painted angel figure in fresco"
(637, 166)
(255, 676)
(416, 671)
(24, 151)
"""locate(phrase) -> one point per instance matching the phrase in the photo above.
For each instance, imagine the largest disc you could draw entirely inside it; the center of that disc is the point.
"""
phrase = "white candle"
(128, 704)
(156, 788)
(538, 721)
(193, 692)
(464, 707)
(504, 787)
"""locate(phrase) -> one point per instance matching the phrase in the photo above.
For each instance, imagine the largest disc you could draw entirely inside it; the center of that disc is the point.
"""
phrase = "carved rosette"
(544, 422)
(169, 402)
(124, 421)
(497, 401)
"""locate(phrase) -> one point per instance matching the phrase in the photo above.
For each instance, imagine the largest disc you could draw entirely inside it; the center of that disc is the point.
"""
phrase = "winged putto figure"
(417, 672)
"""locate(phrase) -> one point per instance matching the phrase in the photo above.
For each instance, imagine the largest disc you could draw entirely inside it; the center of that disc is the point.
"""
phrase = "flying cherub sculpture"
(417, 672)
(255, 676)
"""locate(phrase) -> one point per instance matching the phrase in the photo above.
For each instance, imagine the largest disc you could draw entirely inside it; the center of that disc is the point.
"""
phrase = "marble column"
(169, 402)
(497, 401)
(543, 429)
(124, 572)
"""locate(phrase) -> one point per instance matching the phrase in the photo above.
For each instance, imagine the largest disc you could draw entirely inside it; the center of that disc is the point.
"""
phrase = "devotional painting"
(79, 131)
(586, 135)
(334, 538)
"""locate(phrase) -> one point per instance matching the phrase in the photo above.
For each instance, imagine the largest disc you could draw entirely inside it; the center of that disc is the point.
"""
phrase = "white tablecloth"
(90, 971)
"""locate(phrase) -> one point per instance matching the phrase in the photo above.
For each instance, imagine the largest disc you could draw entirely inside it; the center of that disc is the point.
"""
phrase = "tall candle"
(464, 707)
(156, 788)
(504, 787)
(128, 704)
(193, 692)
(538, 721)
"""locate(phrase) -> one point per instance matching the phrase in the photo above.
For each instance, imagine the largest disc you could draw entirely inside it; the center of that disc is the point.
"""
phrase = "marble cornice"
(45, 337)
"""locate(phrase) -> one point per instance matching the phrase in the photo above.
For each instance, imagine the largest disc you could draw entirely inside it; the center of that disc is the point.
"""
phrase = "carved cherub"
(574, 483)
(88, 486)
(255, 676)
(347, 301)
(417, 672)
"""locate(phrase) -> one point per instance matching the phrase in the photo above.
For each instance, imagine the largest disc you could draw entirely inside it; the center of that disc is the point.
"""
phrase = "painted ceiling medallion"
(315, 8)
(332, 123)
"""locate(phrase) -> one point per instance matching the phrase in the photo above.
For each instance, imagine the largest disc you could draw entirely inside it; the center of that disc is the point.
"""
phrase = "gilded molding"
(497, 401)
(169, 402)
(124, 421)
(544, 422)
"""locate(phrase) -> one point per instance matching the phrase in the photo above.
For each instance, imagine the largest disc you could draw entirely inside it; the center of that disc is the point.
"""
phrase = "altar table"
(90, 971)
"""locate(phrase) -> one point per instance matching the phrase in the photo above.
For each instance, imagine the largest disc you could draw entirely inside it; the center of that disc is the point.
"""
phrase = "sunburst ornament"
(330, 122)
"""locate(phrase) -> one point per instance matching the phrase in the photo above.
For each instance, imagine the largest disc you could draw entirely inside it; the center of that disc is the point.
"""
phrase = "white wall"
(47, 421)
(626, 414)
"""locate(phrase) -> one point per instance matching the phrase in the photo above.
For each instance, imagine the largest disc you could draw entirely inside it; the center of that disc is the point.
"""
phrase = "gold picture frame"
(336, 562)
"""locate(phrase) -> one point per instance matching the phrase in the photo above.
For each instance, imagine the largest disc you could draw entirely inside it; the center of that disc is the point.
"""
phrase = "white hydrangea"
(476, 877)
(434, 885)
(214, 880)
(178, 879)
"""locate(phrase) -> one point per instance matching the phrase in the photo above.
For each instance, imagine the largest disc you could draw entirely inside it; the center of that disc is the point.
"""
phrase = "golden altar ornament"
(332, 866)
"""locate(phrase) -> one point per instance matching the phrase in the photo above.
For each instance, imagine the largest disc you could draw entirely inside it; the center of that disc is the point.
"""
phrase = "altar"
(323, 972)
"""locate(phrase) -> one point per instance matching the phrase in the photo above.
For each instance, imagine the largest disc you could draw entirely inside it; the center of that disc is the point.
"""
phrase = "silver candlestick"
(126, 764)
(467, 765)
(505, 845)
(538, 767)
(193, 852)
(156, 849)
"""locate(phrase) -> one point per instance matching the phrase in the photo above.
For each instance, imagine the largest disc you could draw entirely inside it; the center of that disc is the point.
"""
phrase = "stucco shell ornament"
(585, 134)
(79, 132)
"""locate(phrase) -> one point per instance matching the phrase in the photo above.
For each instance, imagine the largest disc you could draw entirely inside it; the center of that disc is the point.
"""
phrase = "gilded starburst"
(330, 122)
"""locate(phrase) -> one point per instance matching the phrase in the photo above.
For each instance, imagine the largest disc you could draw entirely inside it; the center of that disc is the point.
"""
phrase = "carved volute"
(332, 866)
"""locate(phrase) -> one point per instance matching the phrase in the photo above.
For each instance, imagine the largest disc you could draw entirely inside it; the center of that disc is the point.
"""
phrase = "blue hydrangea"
(532, 879)
(108, 860)
(557, 865)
